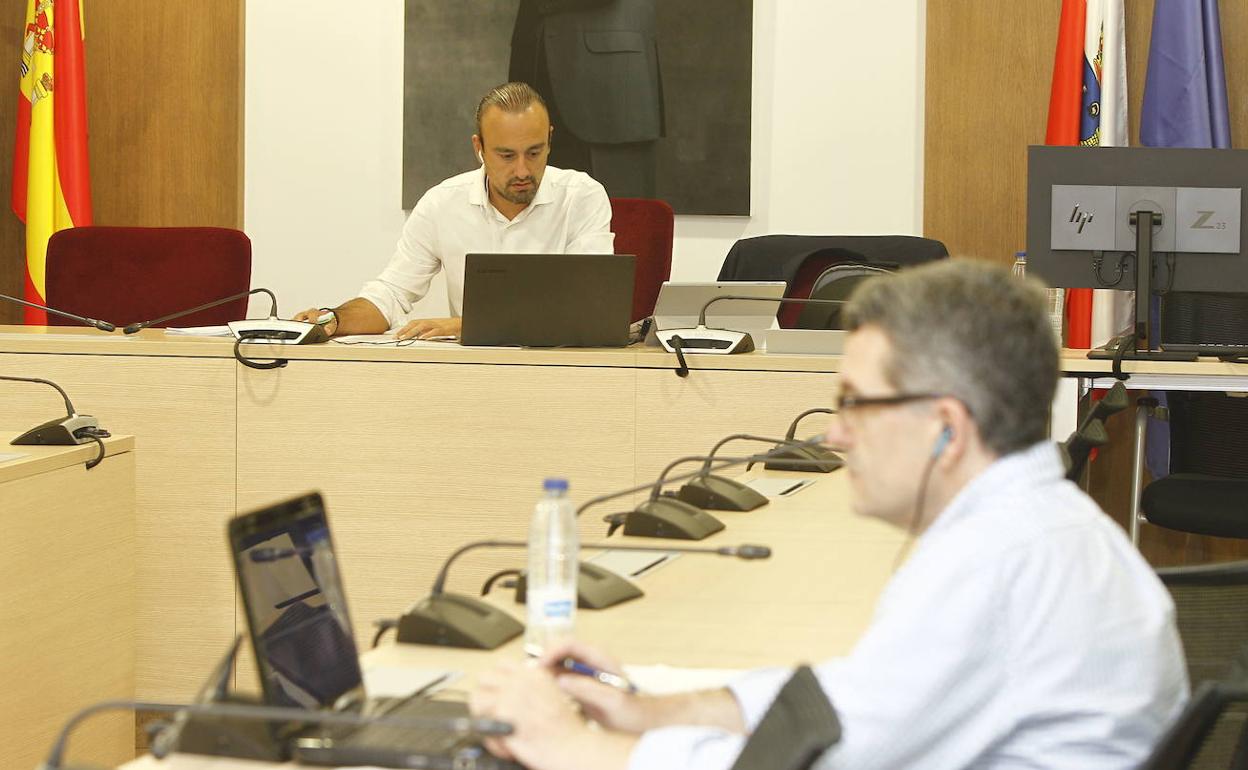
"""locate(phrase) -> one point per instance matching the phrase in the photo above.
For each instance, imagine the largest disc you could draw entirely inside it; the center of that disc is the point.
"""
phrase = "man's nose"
(521, 169)
(836, 435)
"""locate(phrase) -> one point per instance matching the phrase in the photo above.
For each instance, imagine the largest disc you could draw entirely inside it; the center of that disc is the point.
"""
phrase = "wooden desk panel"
(415, 460)
(67, 599)
(182, 411)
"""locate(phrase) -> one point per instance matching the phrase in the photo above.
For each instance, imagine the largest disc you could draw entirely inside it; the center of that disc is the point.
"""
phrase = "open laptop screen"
(296, 611)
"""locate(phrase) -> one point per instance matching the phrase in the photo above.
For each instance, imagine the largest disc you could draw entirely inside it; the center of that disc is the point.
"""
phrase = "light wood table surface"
(67, 596)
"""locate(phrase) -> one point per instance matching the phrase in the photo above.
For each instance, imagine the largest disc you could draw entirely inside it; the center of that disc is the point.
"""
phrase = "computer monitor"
(1083, 205)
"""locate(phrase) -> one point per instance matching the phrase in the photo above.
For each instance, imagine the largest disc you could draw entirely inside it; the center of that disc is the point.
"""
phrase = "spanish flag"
(51, 178)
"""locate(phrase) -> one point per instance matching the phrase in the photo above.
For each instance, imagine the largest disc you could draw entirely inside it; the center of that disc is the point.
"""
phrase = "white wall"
(837, 127)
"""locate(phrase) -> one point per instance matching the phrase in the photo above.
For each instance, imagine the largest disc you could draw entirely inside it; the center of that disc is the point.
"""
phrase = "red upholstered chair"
(129, 274)
(644, 227)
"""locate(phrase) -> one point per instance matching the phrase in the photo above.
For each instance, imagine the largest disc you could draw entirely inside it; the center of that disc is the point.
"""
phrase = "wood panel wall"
(164, 111)
(989, 66)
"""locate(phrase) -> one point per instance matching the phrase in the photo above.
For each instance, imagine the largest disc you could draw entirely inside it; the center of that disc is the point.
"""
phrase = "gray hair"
(970, 330)
(510, 97)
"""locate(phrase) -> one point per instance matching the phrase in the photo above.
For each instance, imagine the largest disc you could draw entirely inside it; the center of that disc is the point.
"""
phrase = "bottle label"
(554, 606)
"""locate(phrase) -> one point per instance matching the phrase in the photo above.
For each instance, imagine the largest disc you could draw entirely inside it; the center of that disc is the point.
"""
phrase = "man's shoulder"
(453, 189)
(573, 182)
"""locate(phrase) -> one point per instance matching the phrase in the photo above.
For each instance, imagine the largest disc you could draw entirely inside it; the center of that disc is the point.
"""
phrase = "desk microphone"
(258, 713)
(784, 455)
(724, 341)
(71, 430)
(720, 493)
(103, 326)
(667, 517)
(134, 327)
(456, 620)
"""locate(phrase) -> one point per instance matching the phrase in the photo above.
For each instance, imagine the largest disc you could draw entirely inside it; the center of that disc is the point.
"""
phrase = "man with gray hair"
(1023, 630)
(513, 203)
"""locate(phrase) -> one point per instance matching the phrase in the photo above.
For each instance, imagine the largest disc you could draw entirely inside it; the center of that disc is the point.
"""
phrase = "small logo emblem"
(1082, 217)
(1200, 223)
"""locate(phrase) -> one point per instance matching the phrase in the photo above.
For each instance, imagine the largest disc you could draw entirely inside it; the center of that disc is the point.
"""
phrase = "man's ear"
(478, 147)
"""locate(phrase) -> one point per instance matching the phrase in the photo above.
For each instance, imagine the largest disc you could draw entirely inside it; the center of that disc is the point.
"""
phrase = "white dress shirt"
(1023, 632)
(570, 214)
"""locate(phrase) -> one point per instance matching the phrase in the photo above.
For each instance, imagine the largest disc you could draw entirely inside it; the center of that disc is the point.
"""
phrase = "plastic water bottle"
(553, 569)
(1056, 296)
(1020, 264)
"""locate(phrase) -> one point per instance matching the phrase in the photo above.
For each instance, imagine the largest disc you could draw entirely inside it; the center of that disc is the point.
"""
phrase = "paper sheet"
(778, 487)
(664, 680)
(200, 331)
(389, 339)
(396, 682)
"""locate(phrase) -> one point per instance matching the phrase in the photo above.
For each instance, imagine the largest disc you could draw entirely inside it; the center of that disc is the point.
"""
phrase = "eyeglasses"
(846, 403)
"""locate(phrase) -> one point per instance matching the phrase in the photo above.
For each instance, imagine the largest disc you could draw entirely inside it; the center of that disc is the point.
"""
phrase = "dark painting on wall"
(651, 97)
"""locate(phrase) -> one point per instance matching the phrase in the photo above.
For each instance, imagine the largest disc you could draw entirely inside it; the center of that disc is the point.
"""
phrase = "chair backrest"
(644, 227)
(1211, 610)
(1209, 734)
(837, 282)
(128, 274)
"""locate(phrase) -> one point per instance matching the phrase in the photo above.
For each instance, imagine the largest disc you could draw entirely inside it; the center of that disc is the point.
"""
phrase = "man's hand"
(425, 328)
(313, 315)
(608, 706)
(548, 734)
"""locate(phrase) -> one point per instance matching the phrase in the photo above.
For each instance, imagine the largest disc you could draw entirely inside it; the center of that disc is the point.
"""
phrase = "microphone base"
(670, 518)
(596, 588)
(783, 460)
(59, 432)
(717, 493)
(454, 620)
(705, 340)
(222, 736)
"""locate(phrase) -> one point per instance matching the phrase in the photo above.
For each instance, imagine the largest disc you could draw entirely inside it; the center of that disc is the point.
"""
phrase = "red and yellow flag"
(51, 176)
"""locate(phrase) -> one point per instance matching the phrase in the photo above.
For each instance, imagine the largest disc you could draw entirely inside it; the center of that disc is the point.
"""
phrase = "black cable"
(615, 520)
(489, 583)
(1099, 260)
(383, 625)
(99, 457)
(1170, 267)
(276, 363)
(677, 345)
(1126, 341)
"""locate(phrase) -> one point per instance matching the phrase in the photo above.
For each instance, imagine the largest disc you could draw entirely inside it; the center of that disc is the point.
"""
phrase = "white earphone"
(480, 157)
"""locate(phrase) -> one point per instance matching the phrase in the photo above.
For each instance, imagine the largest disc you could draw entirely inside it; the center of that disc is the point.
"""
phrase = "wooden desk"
(398, 440)
(809, 602)
(67, 597)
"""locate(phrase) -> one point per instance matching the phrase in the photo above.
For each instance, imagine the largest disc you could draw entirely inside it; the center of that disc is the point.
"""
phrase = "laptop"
(680, 303)
(306, 654)
(547, 300)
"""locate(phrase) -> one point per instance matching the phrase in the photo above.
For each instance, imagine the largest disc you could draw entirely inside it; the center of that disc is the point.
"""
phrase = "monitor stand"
(1137, 345)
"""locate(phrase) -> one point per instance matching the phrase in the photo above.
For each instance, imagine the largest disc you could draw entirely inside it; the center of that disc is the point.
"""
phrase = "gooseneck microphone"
(454, 620)
(262, 713)
(784, 456)
(667, 517)
(719, 493)
(723, 341)
(70, 430)
(103, 326)
(134, 327)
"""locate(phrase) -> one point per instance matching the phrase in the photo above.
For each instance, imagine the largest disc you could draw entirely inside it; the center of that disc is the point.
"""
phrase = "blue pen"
(606, 677)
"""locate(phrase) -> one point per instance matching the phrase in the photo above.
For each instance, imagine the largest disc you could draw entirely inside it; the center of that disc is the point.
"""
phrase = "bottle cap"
(555, 485)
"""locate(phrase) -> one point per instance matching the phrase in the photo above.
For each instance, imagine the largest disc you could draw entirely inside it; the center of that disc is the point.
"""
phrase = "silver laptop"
(679, 304)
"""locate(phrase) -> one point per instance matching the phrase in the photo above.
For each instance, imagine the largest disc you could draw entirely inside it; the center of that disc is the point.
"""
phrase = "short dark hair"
(971, 330)
(510, 97)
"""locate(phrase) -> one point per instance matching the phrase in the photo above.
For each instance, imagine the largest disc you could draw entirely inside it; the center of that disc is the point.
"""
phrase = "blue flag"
(1184, 106)
(1185, 91)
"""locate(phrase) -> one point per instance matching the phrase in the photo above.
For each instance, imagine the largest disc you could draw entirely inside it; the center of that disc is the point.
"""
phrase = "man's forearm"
(359, 316)
(704, 708)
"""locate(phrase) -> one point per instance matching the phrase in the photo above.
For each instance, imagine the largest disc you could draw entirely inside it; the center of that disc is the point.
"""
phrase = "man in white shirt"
(1022, 631)
(513, 203)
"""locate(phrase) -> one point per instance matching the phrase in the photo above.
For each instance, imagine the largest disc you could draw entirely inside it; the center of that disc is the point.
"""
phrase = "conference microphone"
(454, 620)
(103, 326)
(668, 517)
(71, 430)
(260, 714)
(135, 327)
(724, 341)
(784, 454)
(719, 493)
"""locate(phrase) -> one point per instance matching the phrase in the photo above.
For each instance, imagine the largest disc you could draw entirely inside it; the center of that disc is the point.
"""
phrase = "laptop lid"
(295, 604)
(679, 304)
(547, 300)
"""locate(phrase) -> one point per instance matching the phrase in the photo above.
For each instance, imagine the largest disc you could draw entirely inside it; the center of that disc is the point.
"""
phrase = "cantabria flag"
(51, 178)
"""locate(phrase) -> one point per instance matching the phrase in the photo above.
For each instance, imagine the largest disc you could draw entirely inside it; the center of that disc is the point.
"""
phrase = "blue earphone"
(942, 441)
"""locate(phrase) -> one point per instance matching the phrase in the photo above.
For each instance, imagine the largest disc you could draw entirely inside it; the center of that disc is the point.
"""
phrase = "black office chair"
(1207, 491)
(837, 282)
(1211, 610)
(1209, 734)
